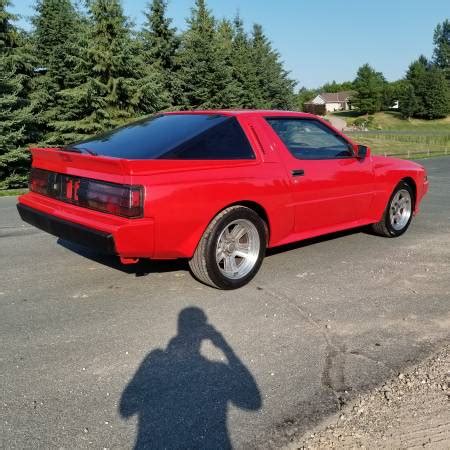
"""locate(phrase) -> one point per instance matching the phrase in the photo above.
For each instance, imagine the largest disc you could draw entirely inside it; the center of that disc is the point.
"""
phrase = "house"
(329, 102)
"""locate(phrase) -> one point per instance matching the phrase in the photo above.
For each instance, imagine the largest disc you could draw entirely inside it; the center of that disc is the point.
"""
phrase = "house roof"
(336, 97)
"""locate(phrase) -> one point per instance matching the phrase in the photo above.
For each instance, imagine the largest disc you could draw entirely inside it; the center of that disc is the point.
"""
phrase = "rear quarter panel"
(183, 200)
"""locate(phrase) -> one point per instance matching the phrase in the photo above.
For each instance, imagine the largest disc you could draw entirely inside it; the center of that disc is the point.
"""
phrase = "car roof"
(247, 112)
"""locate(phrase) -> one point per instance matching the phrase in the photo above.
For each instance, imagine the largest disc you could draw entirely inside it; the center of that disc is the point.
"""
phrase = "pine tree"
(244, 71)
(436, 101)
(150, 89)
(369, 86)
(441, 55)
(430, 88)
(204, 75)
(117, 85)
(160, 45)
(111, 65)
(408, 103)
(274, 84)
(160, 39)
(56, 26)
(58, 46)
(16, 122)
(416, 75)
(233, 94)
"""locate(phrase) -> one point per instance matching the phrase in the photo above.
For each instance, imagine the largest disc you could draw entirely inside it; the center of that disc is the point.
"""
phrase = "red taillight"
(112, 198)
(38, 181)
(122, 200)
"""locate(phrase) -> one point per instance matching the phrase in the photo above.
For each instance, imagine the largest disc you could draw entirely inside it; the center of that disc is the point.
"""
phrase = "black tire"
(204, 265)
(384, 227)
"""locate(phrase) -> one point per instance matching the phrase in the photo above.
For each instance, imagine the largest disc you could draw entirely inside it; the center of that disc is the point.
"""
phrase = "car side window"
(310, 139)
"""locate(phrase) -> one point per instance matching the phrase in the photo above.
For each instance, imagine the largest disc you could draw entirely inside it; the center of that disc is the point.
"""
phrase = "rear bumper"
(128, 238)
(98, 240)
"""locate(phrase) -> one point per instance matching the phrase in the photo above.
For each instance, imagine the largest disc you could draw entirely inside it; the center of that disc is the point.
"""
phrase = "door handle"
(298, 172)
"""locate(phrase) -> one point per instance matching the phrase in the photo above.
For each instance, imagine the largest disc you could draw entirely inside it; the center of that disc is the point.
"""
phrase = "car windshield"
(173, 136)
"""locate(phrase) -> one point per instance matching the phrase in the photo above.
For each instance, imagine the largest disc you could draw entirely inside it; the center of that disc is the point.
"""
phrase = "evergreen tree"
(234, 93)
(369, 86)
(436, 101)
(58, 46)
(390, 95)
(160, 39)
(204, 75)
(416, 75)
(56, 26)
(109, 57)
(160, 45)
(150, 89)
(16, 122)
(274, 84)
(117, 84)
(408, 103)
(244, 70)
(441, 55)
(430, 88)
(80, 73)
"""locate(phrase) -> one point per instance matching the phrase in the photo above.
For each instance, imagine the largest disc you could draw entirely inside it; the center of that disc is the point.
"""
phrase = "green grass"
(12, 192)
(392, 135)
(402, 145)
(391, 120)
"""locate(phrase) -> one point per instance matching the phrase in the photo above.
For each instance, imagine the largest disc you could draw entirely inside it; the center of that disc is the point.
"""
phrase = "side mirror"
(362, 152)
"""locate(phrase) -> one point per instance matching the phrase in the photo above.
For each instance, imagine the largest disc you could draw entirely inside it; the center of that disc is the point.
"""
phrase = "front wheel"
(231, 250)
(399, 212)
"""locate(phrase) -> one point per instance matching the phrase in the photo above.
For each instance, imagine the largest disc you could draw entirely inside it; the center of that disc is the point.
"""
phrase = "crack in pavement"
(333, 373)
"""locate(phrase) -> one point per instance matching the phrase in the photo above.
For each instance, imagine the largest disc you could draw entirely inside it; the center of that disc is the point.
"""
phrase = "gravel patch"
(410, 411)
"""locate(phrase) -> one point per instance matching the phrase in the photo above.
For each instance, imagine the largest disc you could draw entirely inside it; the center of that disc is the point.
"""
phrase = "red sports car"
(217, 188)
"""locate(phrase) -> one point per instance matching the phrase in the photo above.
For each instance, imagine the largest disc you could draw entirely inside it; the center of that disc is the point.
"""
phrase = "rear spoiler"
(57, 160)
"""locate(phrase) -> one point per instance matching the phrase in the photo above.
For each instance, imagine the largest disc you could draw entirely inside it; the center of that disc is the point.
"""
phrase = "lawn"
(11, 192)
(392, 135)
(402, 145)
(391, 120)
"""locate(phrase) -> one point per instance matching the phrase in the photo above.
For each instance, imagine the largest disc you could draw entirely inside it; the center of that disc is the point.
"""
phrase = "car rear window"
(173, 136)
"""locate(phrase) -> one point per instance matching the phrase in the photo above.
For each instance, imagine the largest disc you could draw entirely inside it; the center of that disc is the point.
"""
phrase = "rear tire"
(231, 249)
(399, 212)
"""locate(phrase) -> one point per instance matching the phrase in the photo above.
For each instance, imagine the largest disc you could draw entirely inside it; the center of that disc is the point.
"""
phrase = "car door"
(331, 187)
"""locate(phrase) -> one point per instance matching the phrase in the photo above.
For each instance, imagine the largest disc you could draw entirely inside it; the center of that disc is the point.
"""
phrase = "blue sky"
(322, 40)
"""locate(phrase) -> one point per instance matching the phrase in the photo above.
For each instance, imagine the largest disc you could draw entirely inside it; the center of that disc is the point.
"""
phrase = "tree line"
(423, 93)
(80, 72)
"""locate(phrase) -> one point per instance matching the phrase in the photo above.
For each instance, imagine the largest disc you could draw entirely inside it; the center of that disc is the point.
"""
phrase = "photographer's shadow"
(180, 397)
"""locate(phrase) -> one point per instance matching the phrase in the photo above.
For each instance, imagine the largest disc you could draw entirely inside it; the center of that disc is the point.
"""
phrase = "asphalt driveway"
(97, 356)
